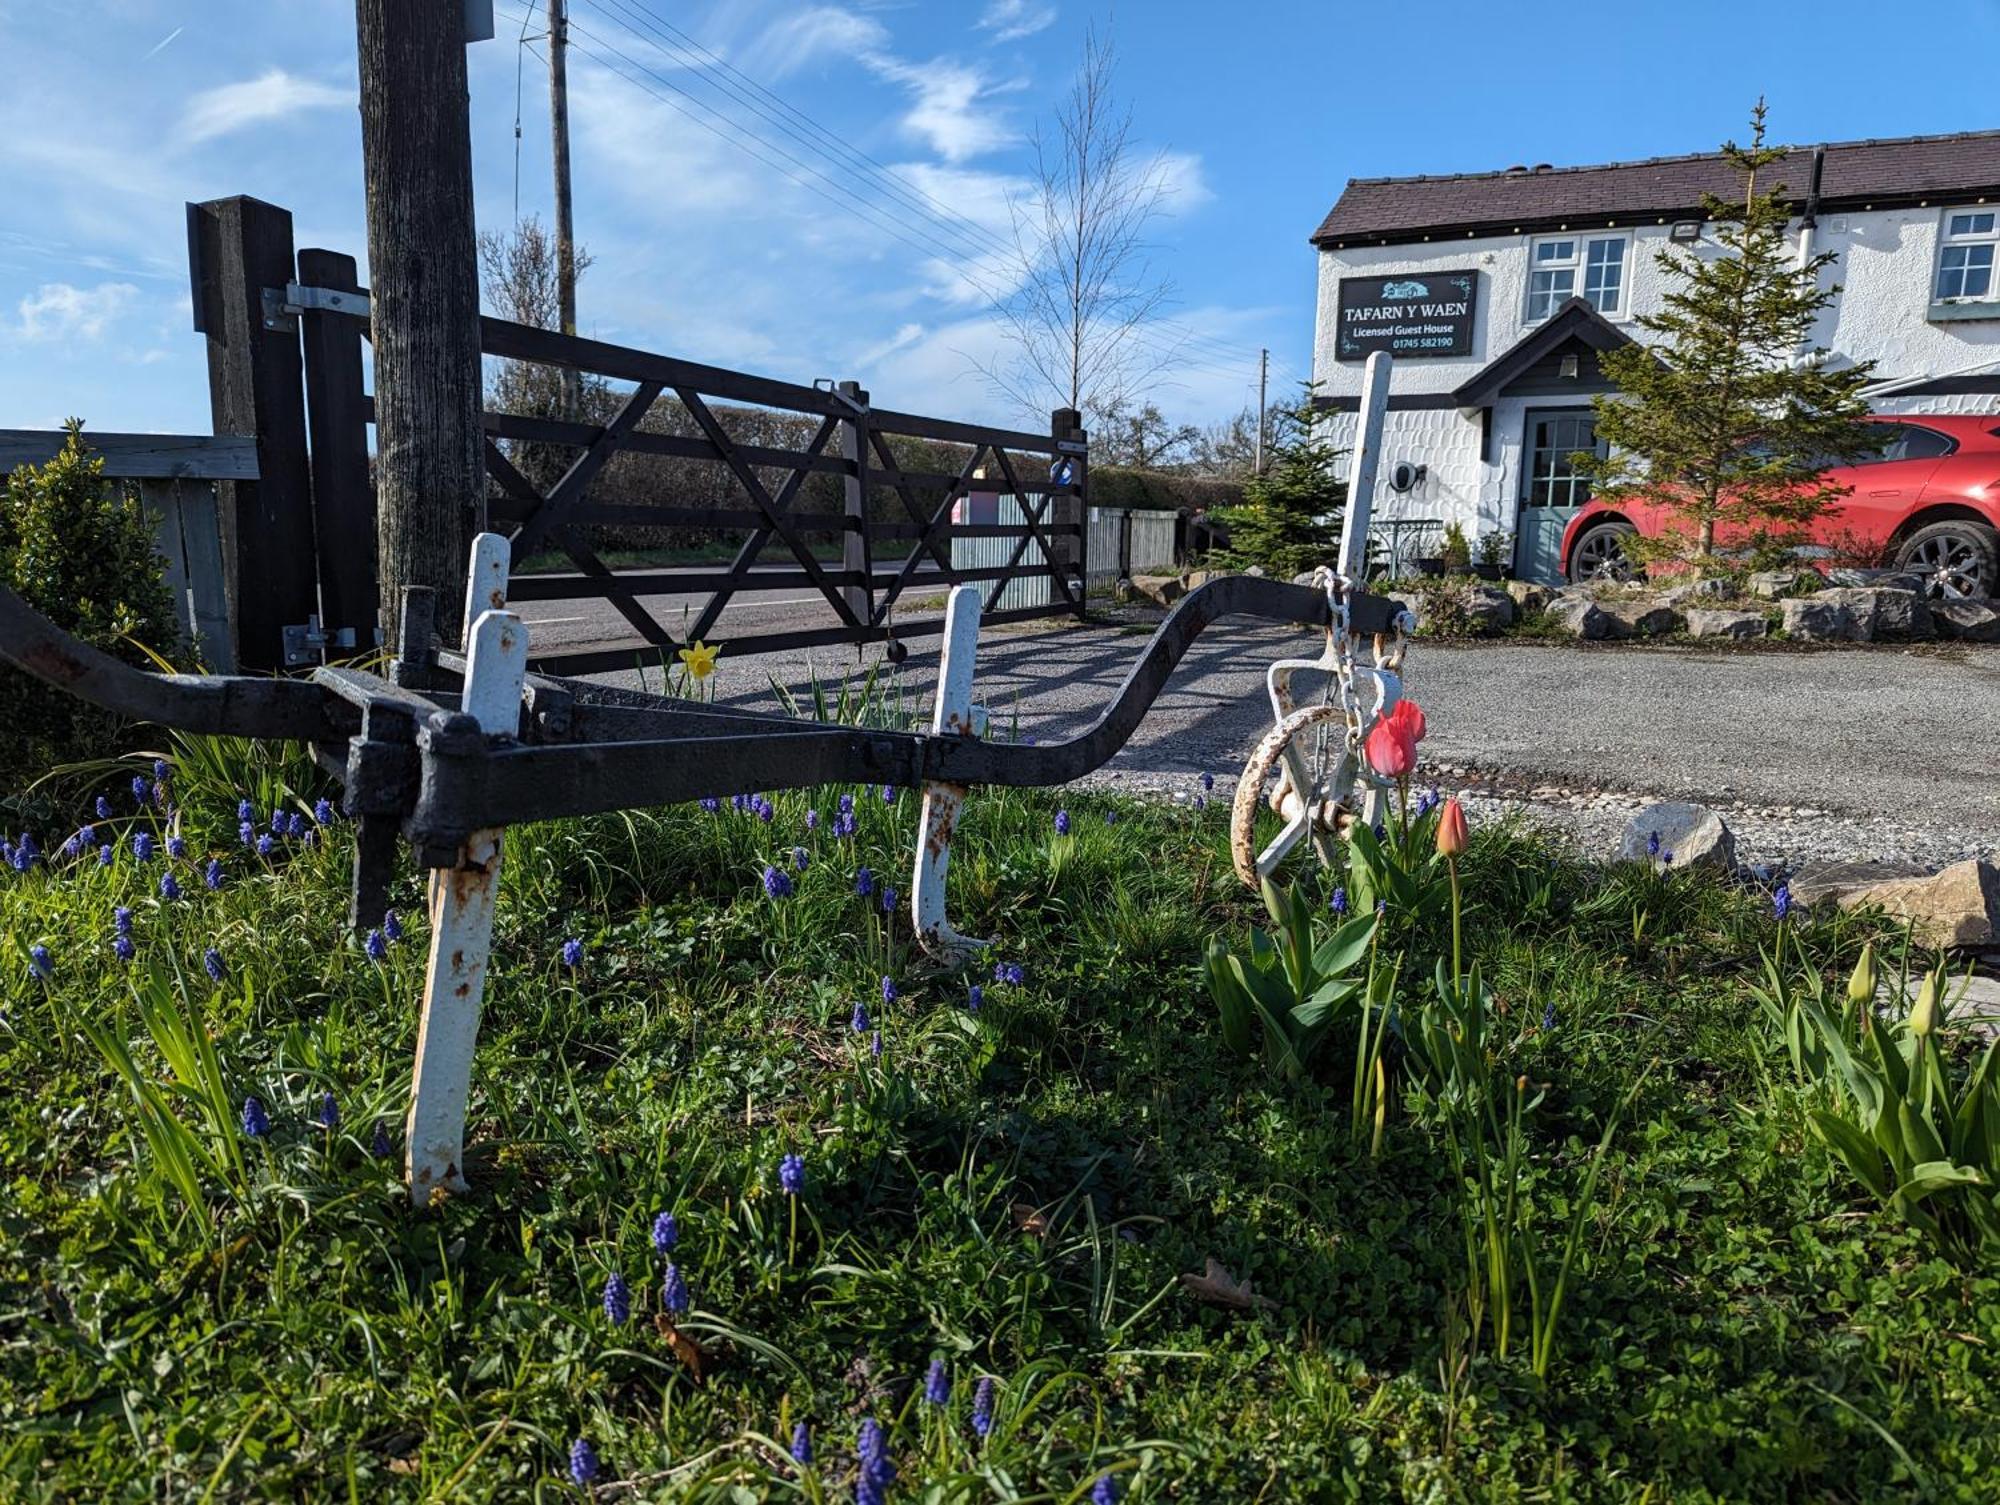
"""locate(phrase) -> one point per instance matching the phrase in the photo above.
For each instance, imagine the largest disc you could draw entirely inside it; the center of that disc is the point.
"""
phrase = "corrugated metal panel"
(1150, 535)
(994, 553)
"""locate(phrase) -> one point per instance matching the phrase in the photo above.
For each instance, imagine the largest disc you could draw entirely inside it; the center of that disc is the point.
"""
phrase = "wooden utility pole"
(572, 381)
(1263, 375)
(423, 263)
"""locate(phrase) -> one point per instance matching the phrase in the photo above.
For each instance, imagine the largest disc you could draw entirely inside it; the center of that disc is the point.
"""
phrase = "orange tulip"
(1410, 717)
(1390, 750)
(1452, 836)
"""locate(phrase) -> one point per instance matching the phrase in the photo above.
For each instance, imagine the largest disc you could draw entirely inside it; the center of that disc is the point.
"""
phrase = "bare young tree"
(517, 274)
(1081, 287)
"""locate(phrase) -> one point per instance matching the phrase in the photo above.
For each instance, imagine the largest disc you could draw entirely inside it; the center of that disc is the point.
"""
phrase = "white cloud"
(1010, 20)
(950, 115)
(61, 311)
(802, 38)
(273, 95)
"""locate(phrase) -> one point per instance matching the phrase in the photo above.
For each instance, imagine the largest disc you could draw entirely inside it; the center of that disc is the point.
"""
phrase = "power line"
(917, 198)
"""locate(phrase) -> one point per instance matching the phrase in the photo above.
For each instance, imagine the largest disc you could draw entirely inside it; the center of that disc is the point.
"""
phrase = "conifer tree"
(1727, 414)
(1289, 520)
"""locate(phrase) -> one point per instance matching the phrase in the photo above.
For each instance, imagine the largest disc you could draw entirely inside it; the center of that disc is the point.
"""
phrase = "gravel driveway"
(1830, 753)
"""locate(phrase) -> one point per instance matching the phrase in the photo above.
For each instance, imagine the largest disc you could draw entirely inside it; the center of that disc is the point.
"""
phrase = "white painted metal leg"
(462, 901)
(952, 715)
(486, 581)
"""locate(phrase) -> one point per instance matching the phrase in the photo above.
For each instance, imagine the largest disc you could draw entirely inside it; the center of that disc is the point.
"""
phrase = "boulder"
(1812, 620)
(1685, 591)
(1877, 579)
(1491, 610)
(1881, 612)
(1959, 906)
(1644, 618)
(1969, 621)
(1529, 596)
(1775, 585)
(1833, 882)
(1719, 623)
(1693, 834)
(1580, 617)
(1196, 579)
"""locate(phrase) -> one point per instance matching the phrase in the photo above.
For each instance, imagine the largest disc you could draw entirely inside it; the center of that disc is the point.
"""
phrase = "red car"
(1929, 500)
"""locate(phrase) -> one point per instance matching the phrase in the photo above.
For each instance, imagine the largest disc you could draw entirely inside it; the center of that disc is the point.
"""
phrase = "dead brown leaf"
(697, 1360)
(1218, 1287)
(1029, 1219)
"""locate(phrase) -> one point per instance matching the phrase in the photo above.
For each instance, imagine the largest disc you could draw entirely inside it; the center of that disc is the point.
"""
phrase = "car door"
(1882, 490)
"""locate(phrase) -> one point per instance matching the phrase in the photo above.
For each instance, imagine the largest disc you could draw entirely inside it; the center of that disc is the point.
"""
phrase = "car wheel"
(1600, 554)
(1954, 559)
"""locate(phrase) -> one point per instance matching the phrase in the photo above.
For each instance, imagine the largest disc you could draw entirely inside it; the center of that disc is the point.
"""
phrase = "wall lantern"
(1685, 231)
(1569, 365)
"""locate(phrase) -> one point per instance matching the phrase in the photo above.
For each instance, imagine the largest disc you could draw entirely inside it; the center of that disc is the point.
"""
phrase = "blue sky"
(117, 111)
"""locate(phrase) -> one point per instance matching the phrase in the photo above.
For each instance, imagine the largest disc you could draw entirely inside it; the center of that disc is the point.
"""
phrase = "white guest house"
(1496, 292)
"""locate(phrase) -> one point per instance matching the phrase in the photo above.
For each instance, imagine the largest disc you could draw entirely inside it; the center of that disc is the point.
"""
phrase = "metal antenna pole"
(572, 383)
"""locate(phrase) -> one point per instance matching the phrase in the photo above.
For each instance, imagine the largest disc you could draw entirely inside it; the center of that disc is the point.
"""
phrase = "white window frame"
(1577, 264)
(1947, 241)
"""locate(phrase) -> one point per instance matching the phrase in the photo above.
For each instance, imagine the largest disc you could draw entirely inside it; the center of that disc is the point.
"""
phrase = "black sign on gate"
(1411, 314)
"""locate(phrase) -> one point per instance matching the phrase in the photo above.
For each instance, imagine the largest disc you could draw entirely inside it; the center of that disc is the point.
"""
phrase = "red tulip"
(1410, 717)
(1452, 836)
(1390, 750)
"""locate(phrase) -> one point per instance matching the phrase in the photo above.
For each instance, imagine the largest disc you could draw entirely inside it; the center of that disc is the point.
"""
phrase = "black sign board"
(1411, 314)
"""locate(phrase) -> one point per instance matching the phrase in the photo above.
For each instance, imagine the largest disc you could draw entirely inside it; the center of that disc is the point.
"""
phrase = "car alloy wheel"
(1954, 561)
(1600, 555)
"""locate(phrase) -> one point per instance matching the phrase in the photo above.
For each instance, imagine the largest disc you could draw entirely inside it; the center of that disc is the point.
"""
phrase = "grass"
(1015, 1191)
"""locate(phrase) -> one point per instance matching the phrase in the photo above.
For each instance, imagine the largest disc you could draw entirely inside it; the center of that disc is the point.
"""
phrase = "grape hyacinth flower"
(265, 846)
(674, 1299)
(1104, 1491)
(859, 1021)
(1666, 859)
(974, 997)
(776, 884)
(160, 769)
(1652, 843)
(71, 847)
(888, 794)
(256, 1122)
(572, 953)
(888, 901)
(766, 811)
(122, 948)
(323, 811)
(121, 920)
(800, 857)
(329, 1112)
(177, 847)
(711, 804)
(802, 1443)
(792, 1174)
(142, 788)
(212, 960)
(1062, 822)
(937, 1384)
(1208, 783)
(246, 833)
(245, 810)
(1781, 901)
(391, 926)
(40, 963)
(1338, 903)
(812, 820)
(376, 947)
(103, 808)
(617, 1300)
(379, 1146)
(666, 1233)
(170, 888)
(104, 855)
(1549, 1015)
(982, 1405)
(1111, 817)
(212, 874)
(847, 804)
(1010, 972)
(739, 803)
(877, 1471)
(142, 845)
(582, 1462)
(875, 1045)
(888, 989)
(844, 825)
(86, 835)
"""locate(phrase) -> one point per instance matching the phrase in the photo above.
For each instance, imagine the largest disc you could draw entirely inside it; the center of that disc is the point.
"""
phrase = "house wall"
(1885, 263)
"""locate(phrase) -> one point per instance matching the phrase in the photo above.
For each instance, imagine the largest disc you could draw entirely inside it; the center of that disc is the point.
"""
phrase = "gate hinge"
(304, 644)
(282, 306)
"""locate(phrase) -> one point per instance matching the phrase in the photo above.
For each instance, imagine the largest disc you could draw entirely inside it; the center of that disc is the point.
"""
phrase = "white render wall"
(1885, 264)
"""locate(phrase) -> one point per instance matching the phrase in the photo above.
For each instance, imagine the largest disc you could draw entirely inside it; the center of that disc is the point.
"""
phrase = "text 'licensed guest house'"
(1497, 291)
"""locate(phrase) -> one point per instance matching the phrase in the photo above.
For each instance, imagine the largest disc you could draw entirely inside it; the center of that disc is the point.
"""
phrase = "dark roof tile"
(1894, 171)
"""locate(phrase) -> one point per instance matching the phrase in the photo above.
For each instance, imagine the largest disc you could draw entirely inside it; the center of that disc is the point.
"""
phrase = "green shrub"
(1160, 491)
(80, 552)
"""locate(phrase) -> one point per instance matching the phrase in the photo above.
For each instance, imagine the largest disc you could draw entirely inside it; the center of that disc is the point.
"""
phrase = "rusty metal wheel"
(1315, 812)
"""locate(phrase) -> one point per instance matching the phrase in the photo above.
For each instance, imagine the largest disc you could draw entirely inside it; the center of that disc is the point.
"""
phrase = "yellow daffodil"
(699, 660)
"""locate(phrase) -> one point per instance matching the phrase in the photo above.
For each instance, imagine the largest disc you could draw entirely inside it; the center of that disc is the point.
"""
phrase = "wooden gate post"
(856, 557)
(1072, 444)
(343, 490)
(243, 251)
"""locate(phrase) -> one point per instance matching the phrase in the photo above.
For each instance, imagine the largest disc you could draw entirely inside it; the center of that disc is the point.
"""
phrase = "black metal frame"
(413, 764)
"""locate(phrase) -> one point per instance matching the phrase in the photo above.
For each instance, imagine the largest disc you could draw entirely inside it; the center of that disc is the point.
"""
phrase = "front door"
(1551, 488)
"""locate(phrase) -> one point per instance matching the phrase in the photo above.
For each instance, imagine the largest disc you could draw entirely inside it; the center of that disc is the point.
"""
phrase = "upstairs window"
(1561, 267)
(1965, 255)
